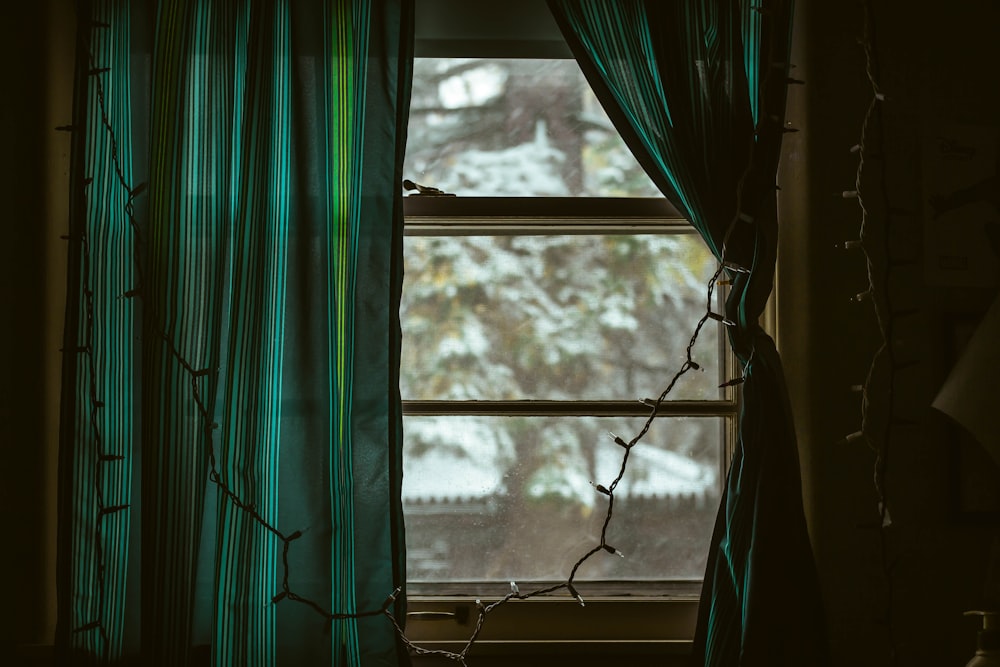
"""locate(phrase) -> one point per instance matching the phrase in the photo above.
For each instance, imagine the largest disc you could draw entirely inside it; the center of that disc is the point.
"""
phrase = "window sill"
(548, 625)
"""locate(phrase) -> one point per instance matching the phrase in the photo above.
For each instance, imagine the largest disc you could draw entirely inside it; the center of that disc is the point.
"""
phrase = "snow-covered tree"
(544, 317)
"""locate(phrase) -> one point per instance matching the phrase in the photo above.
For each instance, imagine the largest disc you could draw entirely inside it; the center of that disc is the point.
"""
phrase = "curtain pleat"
(99, 351)
(381, 114)
(182, 291)
(697, 90)
(247, 556)
(346, 106)
(236, 341)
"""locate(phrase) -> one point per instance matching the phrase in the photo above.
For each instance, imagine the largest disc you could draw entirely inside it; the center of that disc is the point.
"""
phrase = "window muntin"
(503, 431)
(449, 436)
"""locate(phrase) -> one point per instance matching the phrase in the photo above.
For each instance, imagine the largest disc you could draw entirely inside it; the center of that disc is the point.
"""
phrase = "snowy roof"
(441, 476)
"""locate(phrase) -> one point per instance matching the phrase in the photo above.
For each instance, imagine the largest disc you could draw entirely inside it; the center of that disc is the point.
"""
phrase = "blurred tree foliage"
(545, 316)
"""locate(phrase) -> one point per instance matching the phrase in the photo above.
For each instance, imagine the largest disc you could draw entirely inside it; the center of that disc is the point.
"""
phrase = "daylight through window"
(533, 322)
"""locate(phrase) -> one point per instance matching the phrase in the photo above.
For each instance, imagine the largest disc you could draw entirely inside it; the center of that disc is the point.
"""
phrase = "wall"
(37, 43)
(937, 63)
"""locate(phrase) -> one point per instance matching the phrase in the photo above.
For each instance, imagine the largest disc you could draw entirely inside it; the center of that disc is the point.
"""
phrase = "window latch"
(425, 190)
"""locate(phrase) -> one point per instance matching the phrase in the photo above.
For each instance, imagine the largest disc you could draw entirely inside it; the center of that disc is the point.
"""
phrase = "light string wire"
(724, 267)
(879, 293)
(196, 374)
(95, 404)
(768, 124)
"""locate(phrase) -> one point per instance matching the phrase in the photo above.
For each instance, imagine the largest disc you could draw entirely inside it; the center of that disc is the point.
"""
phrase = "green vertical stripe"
(183, 302)
(246, 556)
(104, 391)
(639, 87)
(349, 34)
(224, 131)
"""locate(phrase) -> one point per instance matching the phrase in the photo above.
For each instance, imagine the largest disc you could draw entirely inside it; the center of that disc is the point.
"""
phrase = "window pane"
(515, 127)
(510, 498)
(561, 317)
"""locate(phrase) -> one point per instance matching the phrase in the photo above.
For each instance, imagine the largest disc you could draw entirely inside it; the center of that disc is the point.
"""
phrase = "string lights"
(879, 294)
(726, 272)
(101, 457)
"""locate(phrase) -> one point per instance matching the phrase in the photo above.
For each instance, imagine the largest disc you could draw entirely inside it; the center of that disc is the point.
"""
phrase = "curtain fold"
(697, 90)
(230, 477)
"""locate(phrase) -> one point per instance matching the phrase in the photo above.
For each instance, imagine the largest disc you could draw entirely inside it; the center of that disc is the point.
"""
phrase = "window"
(541, 304)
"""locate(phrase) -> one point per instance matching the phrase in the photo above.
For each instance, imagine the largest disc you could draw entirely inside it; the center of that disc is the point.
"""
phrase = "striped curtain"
(231, 435)
(697, 89)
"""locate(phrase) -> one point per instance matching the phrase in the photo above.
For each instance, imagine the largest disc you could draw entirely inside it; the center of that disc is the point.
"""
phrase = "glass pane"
(515, 127)
(510, 498)
(561, 317)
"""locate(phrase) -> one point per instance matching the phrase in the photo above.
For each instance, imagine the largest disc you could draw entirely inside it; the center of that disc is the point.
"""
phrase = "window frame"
(657, 622)
(657, 628)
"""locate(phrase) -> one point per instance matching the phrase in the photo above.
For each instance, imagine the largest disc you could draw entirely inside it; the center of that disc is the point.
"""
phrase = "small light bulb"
(601, 488)
(721, 318)
(849, 194)
(618, 441)
(572, 591)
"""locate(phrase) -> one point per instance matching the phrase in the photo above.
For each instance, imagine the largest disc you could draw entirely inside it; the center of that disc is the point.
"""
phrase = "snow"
(549, 317)
(663, 473)
(439, 476)
(472, 87)
(528, 168)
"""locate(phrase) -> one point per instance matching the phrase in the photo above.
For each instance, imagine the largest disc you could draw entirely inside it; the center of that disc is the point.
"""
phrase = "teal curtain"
(697, 89)
(231, 434)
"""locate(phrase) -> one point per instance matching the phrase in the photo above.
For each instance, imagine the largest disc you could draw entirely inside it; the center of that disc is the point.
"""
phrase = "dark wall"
(36, 43)
(937, 64)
